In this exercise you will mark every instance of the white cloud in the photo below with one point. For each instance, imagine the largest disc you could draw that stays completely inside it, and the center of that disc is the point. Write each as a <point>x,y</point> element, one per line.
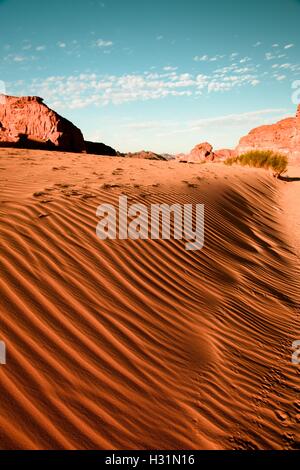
<point>206,58</point>
<point>102,43</point>
<point>170,69</point>
<point>280,77</point>
<point>257,44</point>
<point>19,58</point>
<point>40,48</point>
<point>85,89</point>
<point>203,58</point>
<point>82,90</point>
<point>245,59</point>
<point>232,121</point>
<point>269,56</point>
<point>62,45</point>
<point>288,46</point>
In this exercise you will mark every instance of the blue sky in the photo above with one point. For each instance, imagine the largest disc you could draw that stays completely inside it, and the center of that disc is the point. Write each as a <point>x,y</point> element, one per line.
<point>161,75</point>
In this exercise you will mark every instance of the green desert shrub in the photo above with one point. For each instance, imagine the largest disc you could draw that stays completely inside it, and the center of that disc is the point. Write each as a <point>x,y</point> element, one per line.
<point>262,159</point>
<point>230,161</point>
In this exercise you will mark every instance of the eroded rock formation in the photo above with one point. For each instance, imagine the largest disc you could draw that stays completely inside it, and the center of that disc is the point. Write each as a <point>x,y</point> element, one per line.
<point>200,153</point>
<point>27,122</point>
<point>283,137</point>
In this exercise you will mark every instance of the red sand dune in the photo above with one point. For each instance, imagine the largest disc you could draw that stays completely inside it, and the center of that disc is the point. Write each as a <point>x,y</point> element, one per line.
<point>142,344</point>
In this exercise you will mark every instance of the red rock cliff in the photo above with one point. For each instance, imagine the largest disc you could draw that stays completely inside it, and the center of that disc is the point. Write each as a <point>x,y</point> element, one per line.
<point>283,137</point>
<point>28,122</point>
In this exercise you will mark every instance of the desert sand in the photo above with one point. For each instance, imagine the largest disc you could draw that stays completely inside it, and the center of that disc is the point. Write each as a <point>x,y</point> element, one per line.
<point>141,344</point>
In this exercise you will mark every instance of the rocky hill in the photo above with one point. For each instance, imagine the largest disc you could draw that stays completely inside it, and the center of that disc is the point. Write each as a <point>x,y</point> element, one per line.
<point>283,137</point>
<point>28,122</point>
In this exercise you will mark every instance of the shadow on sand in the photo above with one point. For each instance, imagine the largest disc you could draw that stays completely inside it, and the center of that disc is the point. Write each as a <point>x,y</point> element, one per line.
<point>288,178</point>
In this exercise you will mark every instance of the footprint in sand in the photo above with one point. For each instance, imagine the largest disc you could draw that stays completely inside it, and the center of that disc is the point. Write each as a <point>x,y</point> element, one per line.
<point>297,405</point>
<point>110,186</point>
<point>58,168</point>
<point>39,194</point>
<point>88,196</point>
<point>63,185</point>
<point>283,417</point>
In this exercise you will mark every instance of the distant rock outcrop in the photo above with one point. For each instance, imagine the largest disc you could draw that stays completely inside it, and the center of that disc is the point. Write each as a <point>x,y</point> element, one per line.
<point>283,137</point>
<point>200,153</point>
<point>168,156</point>
<point>27,122</point>
<point>146,155</point>
<point>97,148</point>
